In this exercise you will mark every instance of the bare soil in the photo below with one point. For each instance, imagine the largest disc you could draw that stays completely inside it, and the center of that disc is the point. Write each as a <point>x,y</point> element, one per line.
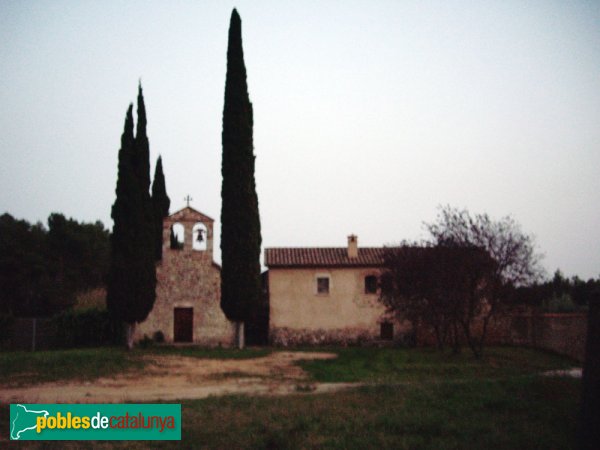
<point>180,377</point>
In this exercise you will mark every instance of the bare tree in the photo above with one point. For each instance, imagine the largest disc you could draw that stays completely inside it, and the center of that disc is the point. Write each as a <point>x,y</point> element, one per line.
<point>438,288</point>
<point>412,286</point>
<point>515,263</point>
<point>456,282</point>
<point>513,250</point>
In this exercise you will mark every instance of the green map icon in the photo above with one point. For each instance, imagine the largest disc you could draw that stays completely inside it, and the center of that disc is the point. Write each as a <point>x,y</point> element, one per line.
<point>24,419</point>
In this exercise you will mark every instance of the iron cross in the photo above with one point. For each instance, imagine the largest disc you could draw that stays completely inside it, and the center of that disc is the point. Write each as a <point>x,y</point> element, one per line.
<point>188,199</point>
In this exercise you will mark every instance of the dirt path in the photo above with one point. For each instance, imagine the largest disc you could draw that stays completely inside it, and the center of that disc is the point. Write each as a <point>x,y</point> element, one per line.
<point>178,377</point>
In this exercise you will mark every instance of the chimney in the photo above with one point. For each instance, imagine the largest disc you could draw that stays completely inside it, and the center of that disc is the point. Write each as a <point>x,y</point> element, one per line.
<point>352,246</point>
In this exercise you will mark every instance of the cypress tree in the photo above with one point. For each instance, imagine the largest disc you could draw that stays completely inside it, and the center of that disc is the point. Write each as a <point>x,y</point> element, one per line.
<point>160,205</point>
<point>132,275</point>
<point>142,146</point>
<point>175,244</point>
<point>145,241</point>
<point>240,221</point>
<point>120,288</point>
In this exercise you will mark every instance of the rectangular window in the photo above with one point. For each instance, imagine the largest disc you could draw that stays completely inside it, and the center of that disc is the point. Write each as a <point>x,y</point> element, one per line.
<point>323,285</point>
<point>371,284</point>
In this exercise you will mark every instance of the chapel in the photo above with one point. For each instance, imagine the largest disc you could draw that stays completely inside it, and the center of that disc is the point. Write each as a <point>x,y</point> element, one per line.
<point>188,286</point>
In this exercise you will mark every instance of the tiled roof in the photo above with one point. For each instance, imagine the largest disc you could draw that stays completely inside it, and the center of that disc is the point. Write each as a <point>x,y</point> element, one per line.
<point>319,257</point>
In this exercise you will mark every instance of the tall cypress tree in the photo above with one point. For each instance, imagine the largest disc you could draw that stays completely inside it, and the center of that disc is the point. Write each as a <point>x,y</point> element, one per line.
<point>160,204</point>
<point>142,146</point>
<point>132,275</point>
<point>145,241</point>
<point>240,221</point>
<point>120,287</point>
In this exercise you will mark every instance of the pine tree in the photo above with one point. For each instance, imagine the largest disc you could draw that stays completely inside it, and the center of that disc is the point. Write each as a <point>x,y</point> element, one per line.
<point>132,276</point>
<point>160,204</point>
<point>240,221</point>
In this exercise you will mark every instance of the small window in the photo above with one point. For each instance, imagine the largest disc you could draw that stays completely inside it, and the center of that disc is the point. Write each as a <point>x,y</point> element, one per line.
<point>371,284</point>
<point>323,285</point>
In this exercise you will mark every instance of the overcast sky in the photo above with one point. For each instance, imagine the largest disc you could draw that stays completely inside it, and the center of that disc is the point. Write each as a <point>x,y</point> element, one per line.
<point>368,114</point>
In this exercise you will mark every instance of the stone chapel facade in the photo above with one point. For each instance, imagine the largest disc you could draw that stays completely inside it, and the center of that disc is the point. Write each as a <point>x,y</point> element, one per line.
<point>188,286</point>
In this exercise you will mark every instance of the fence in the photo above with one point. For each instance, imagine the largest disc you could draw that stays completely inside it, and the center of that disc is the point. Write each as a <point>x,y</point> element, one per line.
<point>88,328</point>
<point>32,334</point>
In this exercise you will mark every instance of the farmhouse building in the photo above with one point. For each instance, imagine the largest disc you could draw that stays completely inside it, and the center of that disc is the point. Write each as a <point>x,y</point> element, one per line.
<point>327,295</point>
<point>188,288</point>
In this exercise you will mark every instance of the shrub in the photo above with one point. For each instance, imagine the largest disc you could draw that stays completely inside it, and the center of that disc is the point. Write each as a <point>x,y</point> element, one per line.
<point>561,303</point>
<point>87,328</point>
<point>158,337</point>
<point>6,328</point>
<point>146,342</point>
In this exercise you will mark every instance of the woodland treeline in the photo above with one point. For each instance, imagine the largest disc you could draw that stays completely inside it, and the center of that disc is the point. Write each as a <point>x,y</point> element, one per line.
<point>560,294</point>
<point>43,267</point>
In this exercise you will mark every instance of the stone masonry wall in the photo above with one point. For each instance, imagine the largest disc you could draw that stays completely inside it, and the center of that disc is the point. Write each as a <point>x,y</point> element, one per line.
<point>188,278</point>
<point>290,337</point>
<point>562,333</point>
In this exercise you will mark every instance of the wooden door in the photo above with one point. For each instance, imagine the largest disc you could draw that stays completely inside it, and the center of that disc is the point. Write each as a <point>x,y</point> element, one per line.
<point>184,325</point>
<point>387,331</point>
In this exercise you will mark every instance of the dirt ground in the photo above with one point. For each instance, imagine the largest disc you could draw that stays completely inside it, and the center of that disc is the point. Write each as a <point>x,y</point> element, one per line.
<point>178,377</point>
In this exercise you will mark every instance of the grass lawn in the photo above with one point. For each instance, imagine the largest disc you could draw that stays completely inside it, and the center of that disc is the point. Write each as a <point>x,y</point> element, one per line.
<point>416,399</point>
<point>520,414</point>
<point>390,365</point>
<point>212,353</point>
<point>22,368</point>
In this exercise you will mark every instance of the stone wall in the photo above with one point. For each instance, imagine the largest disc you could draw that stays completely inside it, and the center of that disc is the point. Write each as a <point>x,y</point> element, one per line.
<point>562,333</point>
<point>286,337</point>
<point>188,278</point>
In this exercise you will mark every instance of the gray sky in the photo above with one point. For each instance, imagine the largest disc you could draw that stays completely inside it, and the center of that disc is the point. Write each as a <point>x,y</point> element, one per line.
<point>368,114</point>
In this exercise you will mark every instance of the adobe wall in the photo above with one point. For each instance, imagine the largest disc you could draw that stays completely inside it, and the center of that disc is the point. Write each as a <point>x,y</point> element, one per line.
<point>300,315</point>
<point>188,278</point>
